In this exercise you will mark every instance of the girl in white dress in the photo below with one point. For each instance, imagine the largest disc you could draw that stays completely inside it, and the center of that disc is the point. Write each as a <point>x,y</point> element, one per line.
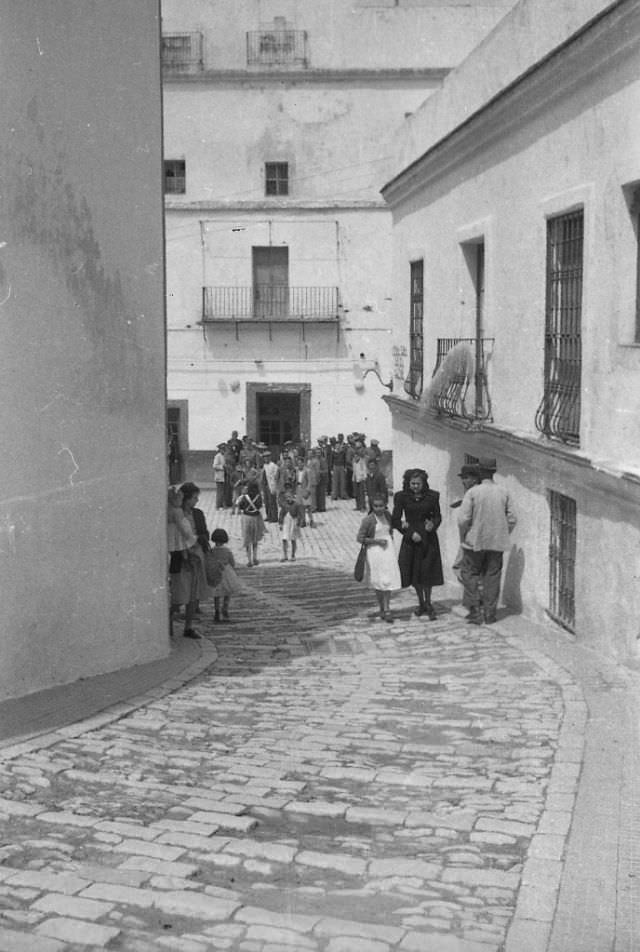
<point>289,522</point>
<point>382,573</point>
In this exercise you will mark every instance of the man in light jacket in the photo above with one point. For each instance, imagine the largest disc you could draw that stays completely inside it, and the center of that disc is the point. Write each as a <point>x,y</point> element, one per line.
<point>486,519</point>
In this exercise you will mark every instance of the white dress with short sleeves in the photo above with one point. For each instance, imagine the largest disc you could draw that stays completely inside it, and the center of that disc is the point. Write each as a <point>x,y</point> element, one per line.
<point>383,573</point>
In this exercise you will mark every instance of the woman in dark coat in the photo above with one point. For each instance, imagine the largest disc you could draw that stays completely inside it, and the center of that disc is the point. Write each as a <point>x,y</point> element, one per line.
<point>416,515</point>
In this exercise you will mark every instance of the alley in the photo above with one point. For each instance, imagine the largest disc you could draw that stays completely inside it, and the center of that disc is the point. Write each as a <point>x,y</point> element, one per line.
<point>329,782</point>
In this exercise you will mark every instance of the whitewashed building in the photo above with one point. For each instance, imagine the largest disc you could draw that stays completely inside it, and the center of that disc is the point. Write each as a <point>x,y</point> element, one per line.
<point>82,390</point>
<point>280,117</point>
<point>515,206</point>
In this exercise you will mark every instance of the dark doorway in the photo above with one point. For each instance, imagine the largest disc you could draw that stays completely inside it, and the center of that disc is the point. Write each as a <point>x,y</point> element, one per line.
<point>278,419</point>
<point>176,440</point>
<point>270,282</point>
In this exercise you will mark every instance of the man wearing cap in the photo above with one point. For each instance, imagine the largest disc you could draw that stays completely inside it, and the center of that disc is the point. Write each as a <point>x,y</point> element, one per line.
<point>486,519</point>
<point>323,481</point>
<point>269,486</point>
<point>219,473</point>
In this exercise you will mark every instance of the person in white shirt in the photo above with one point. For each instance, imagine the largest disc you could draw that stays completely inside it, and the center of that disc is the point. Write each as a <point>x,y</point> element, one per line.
<point>219,474</point>
<point>486,519</point>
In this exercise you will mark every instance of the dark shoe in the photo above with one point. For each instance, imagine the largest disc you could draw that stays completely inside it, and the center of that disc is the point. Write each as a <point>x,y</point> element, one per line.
<point>388,617</point>
<point>190,633</point>
<point>216,618</point>
<point>255,562</point>
<point>430,612</point>
<point>420,610</point>
<point>473,618</point>
<point>225,615</point>
<point>490,619</point>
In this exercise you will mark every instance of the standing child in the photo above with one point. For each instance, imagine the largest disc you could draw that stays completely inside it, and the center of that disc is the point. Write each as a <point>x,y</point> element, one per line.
<point>249,506</point>
<point>288,520</point>
<point>221,574</point>
<point>382,572</point>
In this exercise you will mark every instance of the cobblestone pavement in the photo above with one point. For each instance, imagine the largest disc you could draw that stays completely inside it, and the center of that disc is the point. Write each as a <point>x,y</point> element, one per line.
<point>327,782</point>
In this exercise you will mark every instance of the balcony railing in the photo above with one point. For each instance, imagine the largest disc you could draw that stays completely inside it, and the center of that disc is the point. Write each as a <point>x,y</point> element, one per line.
<point>269,302</point>
<point>277,48</point>
<point>459,384</point>
<point>182,53</point>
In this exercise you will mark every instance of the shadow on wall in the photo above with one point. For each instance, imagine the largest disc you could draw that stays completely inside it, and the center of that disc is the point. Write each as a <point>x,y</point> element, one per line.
<point>512,581</point>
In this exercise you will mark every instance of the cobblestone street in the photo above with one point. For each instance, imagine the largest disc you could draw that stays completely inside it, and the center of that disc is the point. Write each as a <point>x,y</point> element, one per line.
<point>325,782</point>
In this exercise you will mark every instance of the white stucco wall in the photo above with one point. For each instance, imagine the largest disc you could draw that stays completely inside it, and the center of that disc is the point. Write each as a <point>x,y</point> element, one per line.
<point>561,140</point>
<point>350,253</point>
<point>354,35</point>
<point>82,508</point>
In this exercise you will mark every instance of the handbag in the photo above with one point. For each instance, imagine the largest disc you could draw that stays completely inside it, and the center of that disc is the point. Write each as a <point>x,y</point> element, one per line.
<point>358,569</point>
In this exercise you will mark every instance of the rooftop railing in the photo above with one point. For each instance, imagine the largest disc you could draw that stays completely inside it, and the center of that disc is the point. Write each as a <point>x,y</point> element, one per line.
<point>182,53</point>
<point>277,48</point>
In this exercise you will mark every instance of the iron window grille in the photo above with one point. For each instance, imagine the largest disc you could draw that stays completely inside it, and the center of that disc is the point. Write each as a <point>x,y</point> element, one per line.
<point>276,178</point>
<point>459,387</point>
<point>413,383</point>
<point>175,180</point>
<point>182,52</point>
<point>635,215</point>
<point>558,415</point>
<point>562,559</point>
<point>277,47</point>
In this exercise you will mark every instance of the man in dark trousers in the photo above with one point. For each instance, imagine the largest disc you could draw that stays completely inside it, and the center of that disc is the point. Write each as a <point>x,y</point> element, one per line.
<point>375,483</point>
<point>486,519</point>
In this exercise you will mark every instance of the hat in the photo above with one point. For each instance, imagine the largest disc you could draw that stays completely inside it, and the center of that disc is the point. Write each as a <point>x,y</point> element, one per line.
<point>222,446</point>
<point>487,464</point>
<point>469,469</point>
<point>375,443</point>
<point>262,446</point>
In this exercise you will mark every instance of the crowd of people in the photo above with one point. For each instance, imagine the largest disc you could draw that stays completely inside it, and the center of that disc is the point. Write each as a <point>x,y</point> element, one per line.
<point>336,467</point>
<point>297,485</point>
<point>486,519</point>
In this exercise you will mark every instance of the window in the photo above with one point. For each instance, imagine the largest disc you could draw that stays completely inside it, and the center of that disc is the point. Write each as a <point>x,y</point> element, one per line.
<point>182,52</point>
<point>635,216</point>
<point>413,383</point>
<point>558,415</point>
<point>175,182</point>
<point>562,559</point>
<point>277,44</point>
<point>276,181</point>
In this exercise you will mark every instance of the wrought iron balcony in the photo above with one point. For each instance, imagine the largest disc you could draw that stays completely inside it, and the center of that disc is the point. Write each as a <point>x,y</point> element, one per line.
<point>270,302</point>
<point>459,384</point>
<point>277,48</point>
<point>182,53</point>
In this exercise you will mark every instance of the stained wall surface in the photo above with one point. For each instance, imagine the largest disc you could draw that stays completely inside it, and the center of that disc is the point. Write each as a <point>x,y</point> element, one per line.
<point>82,388</point>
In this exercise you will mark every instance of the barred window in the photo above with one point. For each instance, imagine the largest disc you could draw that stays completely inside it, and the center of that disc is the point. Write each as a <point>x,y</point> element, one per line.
<point>276,178</point>
<point>562,559</point>
<point>175,181</point>
<point>558,415</point>
<point>413,383</point>
<point>635,214</point>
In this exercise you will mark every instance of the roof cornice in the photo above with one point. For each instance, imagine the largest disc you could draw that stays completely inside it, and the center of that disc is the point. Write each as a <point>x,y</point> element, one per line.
<point>296,77</point>
<point>271,206</point>
<point>608,37</point>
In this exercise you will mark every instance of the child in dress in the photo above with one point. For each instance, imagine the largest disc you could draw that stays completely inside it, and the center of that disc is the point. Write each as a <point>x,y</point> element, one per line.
<point>289,522</point>
<point>382,572</point>
<point>221,574</point>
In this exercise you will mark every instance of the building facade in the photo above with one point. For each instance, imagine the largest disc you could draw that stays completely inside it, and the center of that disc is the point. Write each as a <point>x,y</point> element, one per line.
<point>279,121</point>
<point>516,296</point>
<point>83,467</point>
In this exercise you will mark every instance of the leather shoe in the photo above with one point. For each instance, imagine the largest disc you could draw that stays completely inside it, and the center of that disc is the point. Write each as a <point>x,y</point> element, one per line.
<point>190,633</point>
